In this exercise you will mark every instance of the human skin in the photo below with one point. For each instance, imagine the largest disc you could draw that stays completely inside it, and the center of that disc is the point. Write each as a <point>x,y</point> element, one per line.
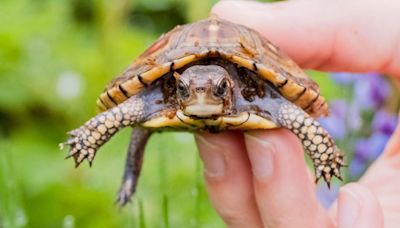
<point>259,178</point>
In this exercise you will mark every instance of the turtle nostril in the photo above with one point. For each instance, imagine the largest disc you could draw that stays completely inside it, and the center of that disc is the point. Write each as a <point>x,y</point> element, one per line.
<point>200,89</point>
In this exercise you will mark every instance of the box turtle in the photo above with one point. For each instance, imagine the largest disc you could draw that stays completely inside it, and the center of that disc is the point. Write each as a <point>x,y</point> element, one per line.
<point>211,75</point>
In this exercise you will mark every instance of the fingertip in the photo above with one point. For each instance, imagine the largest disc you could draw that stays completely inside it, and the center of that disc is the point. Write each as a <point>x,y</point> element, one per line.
<point>261,154</point>
<point>213,141</point>
<point>205,141</point>
<point>358,207</point>
<point>276,157</point>
<point>212,148</point>
<point>271,151</point>
<point>282,183</point>
<point>281,139</point>
<point>349,206</point>
<point>228,177</point>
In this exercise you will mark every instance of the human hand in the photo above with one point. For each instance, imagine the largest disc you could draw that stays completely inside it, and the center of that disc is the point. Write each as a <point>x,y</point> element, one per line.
<point>259,179</point>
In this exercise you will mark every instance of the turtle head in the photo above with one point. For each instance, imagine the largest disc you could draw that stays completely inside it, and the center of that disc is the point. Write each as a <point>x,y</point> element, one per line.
<point>204,90</point>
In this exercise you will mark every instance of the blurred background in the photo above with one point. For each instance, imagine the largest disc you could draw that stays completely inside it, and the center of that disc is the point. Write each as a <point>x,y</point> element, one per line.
<point>55,59</point>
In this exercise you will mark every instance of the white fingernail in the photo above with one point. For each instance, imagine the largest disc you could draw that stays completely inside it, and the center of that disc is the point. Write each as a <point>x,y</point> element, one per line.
<point>212,156</point>
<point>261,154</point>
<point>349,207</point>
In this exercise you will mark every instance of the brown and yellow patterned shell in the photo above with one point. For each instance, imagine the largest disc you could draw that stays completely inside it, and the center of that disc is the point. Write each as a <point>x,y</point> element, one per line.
<point>214,37</point>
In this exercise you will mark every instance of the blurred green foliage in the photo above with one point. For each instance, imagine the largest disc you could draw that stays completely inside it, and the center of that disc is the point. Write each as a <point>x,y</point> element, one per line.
<point>55,58</point>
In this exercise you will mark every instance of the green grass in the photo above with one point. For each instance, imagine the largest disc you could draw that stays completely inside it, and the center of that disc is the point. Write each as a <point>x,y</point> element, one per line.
<point>12,213</point>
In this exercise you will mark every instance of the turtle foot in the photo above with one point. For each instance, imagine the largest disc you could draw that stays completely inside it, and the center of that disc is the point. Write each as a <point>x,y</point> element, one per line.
<point>318,144</point>
<point>329,169</point>
<point>87,139</point>
<point>82,144</point>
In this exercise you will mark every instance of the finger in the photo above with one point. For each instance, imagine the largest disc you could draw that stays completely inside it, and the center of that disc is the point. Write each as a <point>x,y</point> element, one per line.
<point>382,178</point>
<point>358,207</point>
<point>284,192</point>
<point>326,35</point>
<point>228,178</point>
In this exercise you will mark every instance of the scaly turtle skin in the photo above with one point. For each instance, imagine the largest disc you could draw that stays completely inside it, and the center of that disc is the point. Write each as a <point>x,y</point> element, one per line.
<point>211,75</point>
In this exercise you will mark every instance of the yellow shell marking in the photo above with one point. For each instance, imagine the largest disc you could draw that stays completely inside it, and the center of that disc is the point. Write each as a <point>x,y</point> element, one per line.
<point>155,73</point>
<point>183,61</point>
<point>243,62</point>
<point>104,97</point>
<point>117,95</point>
<point>291,90</point>
<point>132,86</point>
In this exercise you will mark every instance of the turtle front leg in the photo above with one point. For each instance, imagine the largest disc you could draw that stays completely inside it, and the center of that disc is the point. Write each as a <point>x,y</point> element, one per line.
<point>87,139</point>
<point>319,145</point>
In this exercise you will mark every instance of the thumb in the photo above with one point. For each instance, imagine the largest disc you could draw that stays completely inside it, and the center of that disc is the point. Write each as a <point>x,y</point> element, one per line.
<point>326,35</point>
<point>358,207</point>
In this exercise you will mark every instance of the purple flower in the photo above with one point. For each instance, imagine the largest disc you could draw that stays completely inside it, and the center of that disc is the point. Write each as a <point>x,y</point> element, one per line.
<point>370,91</point>
<point>357,167</point>
<point>377,143</point>
<point>361,150</point>
<point>384,122</point>
<point>344,117</point>
<point>344,78</point>
<point>325,195</point>
<point>334,125</point>
<point>369,149</point>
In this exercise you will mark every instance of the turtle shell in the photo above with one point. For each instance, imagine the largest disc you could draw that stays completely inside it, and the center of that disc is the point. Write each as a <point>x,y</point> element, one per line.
<point>214,37</point>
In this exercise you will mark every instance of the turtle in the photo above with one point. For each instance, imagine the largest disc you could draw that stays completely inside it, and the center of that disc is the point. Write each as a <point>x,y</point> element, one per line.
<point>211,75</point>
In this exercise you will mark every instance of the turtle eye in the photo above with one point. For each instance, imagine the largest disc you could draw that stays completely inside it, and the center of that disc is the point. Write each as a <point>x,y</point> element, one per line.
<point>221,88</point>
<point>182,90</point>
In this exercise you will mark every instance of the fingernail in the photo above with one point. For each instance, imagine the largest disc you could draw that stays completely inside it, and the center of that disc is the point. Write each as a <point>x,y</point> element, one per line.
<point>349,206</point>
<point>261,155</point>
<point>212,156</point>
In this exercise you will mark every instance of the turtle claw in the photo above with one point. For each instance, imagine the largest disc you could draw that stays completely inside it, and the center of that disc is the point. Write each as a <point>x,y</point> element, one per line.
<point>61,146</point>
<point>328,184</point>
<point>70,154</point>
<point>327,179</point>
<point>80,158</point>
<point>67,143</point>
<point>122,199</point>
<point>90,159</point>
<point>72,133</point>
<point>124,194</point>
<point>77,164</point>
